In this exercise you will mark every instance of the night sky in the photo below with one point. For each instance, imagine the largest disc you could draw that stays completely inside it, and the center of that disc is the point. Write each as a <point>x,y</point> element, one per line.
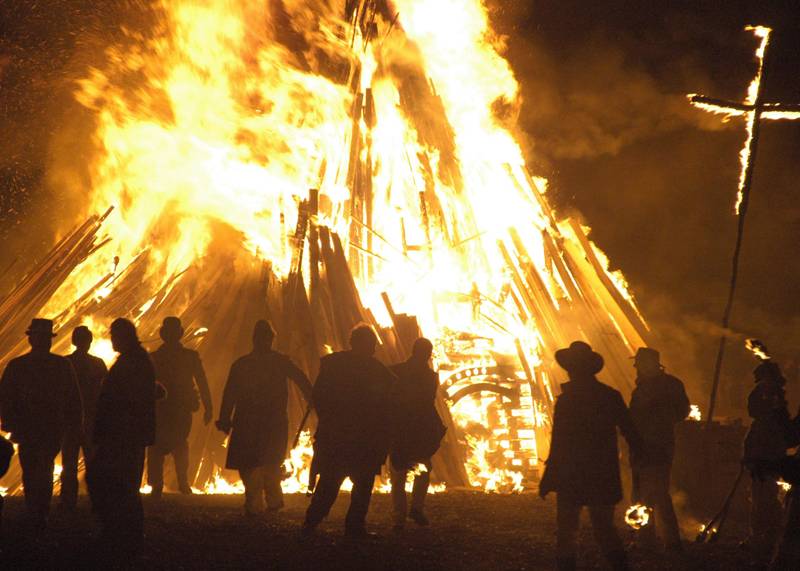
<point>606,121</point>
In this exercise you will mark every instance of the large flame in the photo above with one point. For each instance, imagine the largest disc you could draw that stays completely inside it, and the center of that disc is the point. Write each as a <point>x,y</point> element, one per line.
<point>229,111</point>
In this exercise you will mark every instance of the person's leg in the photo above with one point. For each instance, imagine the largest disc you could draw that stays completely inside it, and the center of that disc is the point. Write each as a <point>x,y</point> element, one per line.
<point>665,511</point>
<point>420,490</point>
<point>155,470</point>
<point>765,518</point>
<point>37,480</point>
<point>253,480</point>
<point>607,537</point>
<point>180,455</point>
<point>788,556</point>
<point>70,451</point>
<point>399,503</point>
<point>355,521</point>
<point>567,522</point>
<point>273,492</point>
<point>323,499</point>
<point>132,513</point>
<point>647,537</point>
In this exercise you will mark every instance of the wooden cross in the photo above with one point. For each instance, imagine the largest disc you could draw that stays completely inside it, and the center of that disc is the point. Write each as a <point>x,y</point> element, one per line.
<point>753,109</point>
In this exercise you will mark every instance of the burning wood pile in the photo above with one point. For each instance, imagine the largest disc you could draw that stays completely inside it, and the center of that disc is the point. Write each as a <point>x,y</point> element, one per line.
<point>422,216</point>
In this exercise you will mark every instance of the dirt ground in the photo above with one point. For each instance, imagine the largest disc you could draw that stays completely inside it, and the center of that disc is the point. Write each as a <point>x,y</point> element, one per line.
<point>468,531</point>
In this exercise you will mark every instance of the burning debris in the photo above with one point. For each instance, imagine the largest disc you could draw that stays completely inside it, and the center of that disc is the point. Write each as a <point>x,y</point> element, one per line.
<point>638,516</point>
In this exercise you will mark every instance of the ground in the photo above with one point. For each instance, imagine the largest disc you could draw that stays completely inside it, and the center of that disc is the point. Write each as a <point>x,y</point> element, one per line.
<point>468,531</point>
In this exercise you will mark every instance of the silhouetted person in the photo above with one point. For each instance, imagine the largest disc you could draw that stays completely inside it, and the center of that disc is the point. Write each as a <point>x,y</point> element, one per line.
<point>39,403</point>
<point>90,371</point>
<point>125,424</point>
<point>178,369</point>
<point>658,403</point>
<point>787,557</point>
<point>352,397</point>
<point>6,454</point>
<point>770,434</point>
<point>254,406</point>
<point>417,433</point>
<point>583,467</point>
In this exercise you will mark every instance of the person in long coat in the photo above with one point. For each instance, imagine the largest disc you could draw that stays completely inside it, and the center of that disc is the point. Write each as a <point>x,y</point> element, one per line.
<point>254,405</point>
<point>90,372</point>
<point>352,397</point>
<point>771,434</point>
<point>125,424</point>
<point>658,403</point>
<point>180,371</point>
<point>40,403</point>
<point>583,467</point>
<point>417,432</point>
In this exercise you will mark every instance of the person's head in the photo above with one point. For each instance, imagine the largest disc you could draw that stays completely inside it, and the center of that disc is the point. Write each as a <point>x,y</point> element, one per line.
<point>770,372</point>
<point>647,362</point>
<point>579,361</point>
<point>123,335</point>
<point>363,340</point>
<point>171,330</point>
<point>82,338</point>
<point>263,335</point>
<point>40,334</point>
<point>422,350</point>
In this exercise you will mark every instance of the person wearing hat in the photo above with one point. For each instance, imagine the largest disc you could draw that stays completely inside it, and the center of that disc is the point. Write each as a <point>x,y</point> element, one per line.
<point>254,408</point>
<point>90,371</point>
<point>181,373</point>
<point>583,467</point>
<point>657,404</point>
<point>771,434</point>
<point>39,403</point>
<point>353,400</point>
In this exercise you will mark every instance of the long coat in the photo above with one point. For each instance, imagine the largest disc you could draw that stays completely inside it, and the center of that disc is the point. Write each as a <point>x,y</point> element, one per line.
<point>658,403</point>
<point>178,369</point>
<point>352,397</point>
<point>257,395</point>
<point>90,372</point>
<point>126,407</point>
<point>772,430</point>
<point>40,400</point>
<point>583,466</point>
<point>418,430</point>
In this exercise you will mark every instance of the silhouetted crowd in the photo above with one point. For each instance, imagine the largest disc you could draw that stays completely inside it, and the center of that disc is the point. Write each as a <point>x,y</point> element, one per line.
<point>142,408</point>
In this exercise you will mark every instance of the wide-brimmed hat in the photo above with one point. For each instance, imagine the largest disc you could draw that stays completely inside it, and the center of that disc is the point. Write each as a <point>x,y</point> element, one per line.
<point>579,358</point>
<point>171,324</point>
<point>647,354</point>
<point>44,326</point>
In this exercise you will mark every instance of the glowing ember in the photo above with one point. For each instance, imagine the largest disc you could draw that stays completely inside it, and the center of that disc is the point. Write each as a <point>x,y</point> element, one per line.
<point>638,516</point>
<point>695,414</point>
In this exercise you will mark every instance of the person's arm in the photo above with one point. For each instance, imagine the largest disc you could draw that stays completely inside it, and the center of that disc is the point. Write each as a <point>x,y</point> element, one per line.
<point>433,386</point>
<point>682,405</point>
<point>547,483</point>
<point>628,428</point>
<point>8,399</point>
<point>230,396</point>
<point>202,385</point>
<point>300,379</point>
<point>323,394</point>
<point>74,404</point>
